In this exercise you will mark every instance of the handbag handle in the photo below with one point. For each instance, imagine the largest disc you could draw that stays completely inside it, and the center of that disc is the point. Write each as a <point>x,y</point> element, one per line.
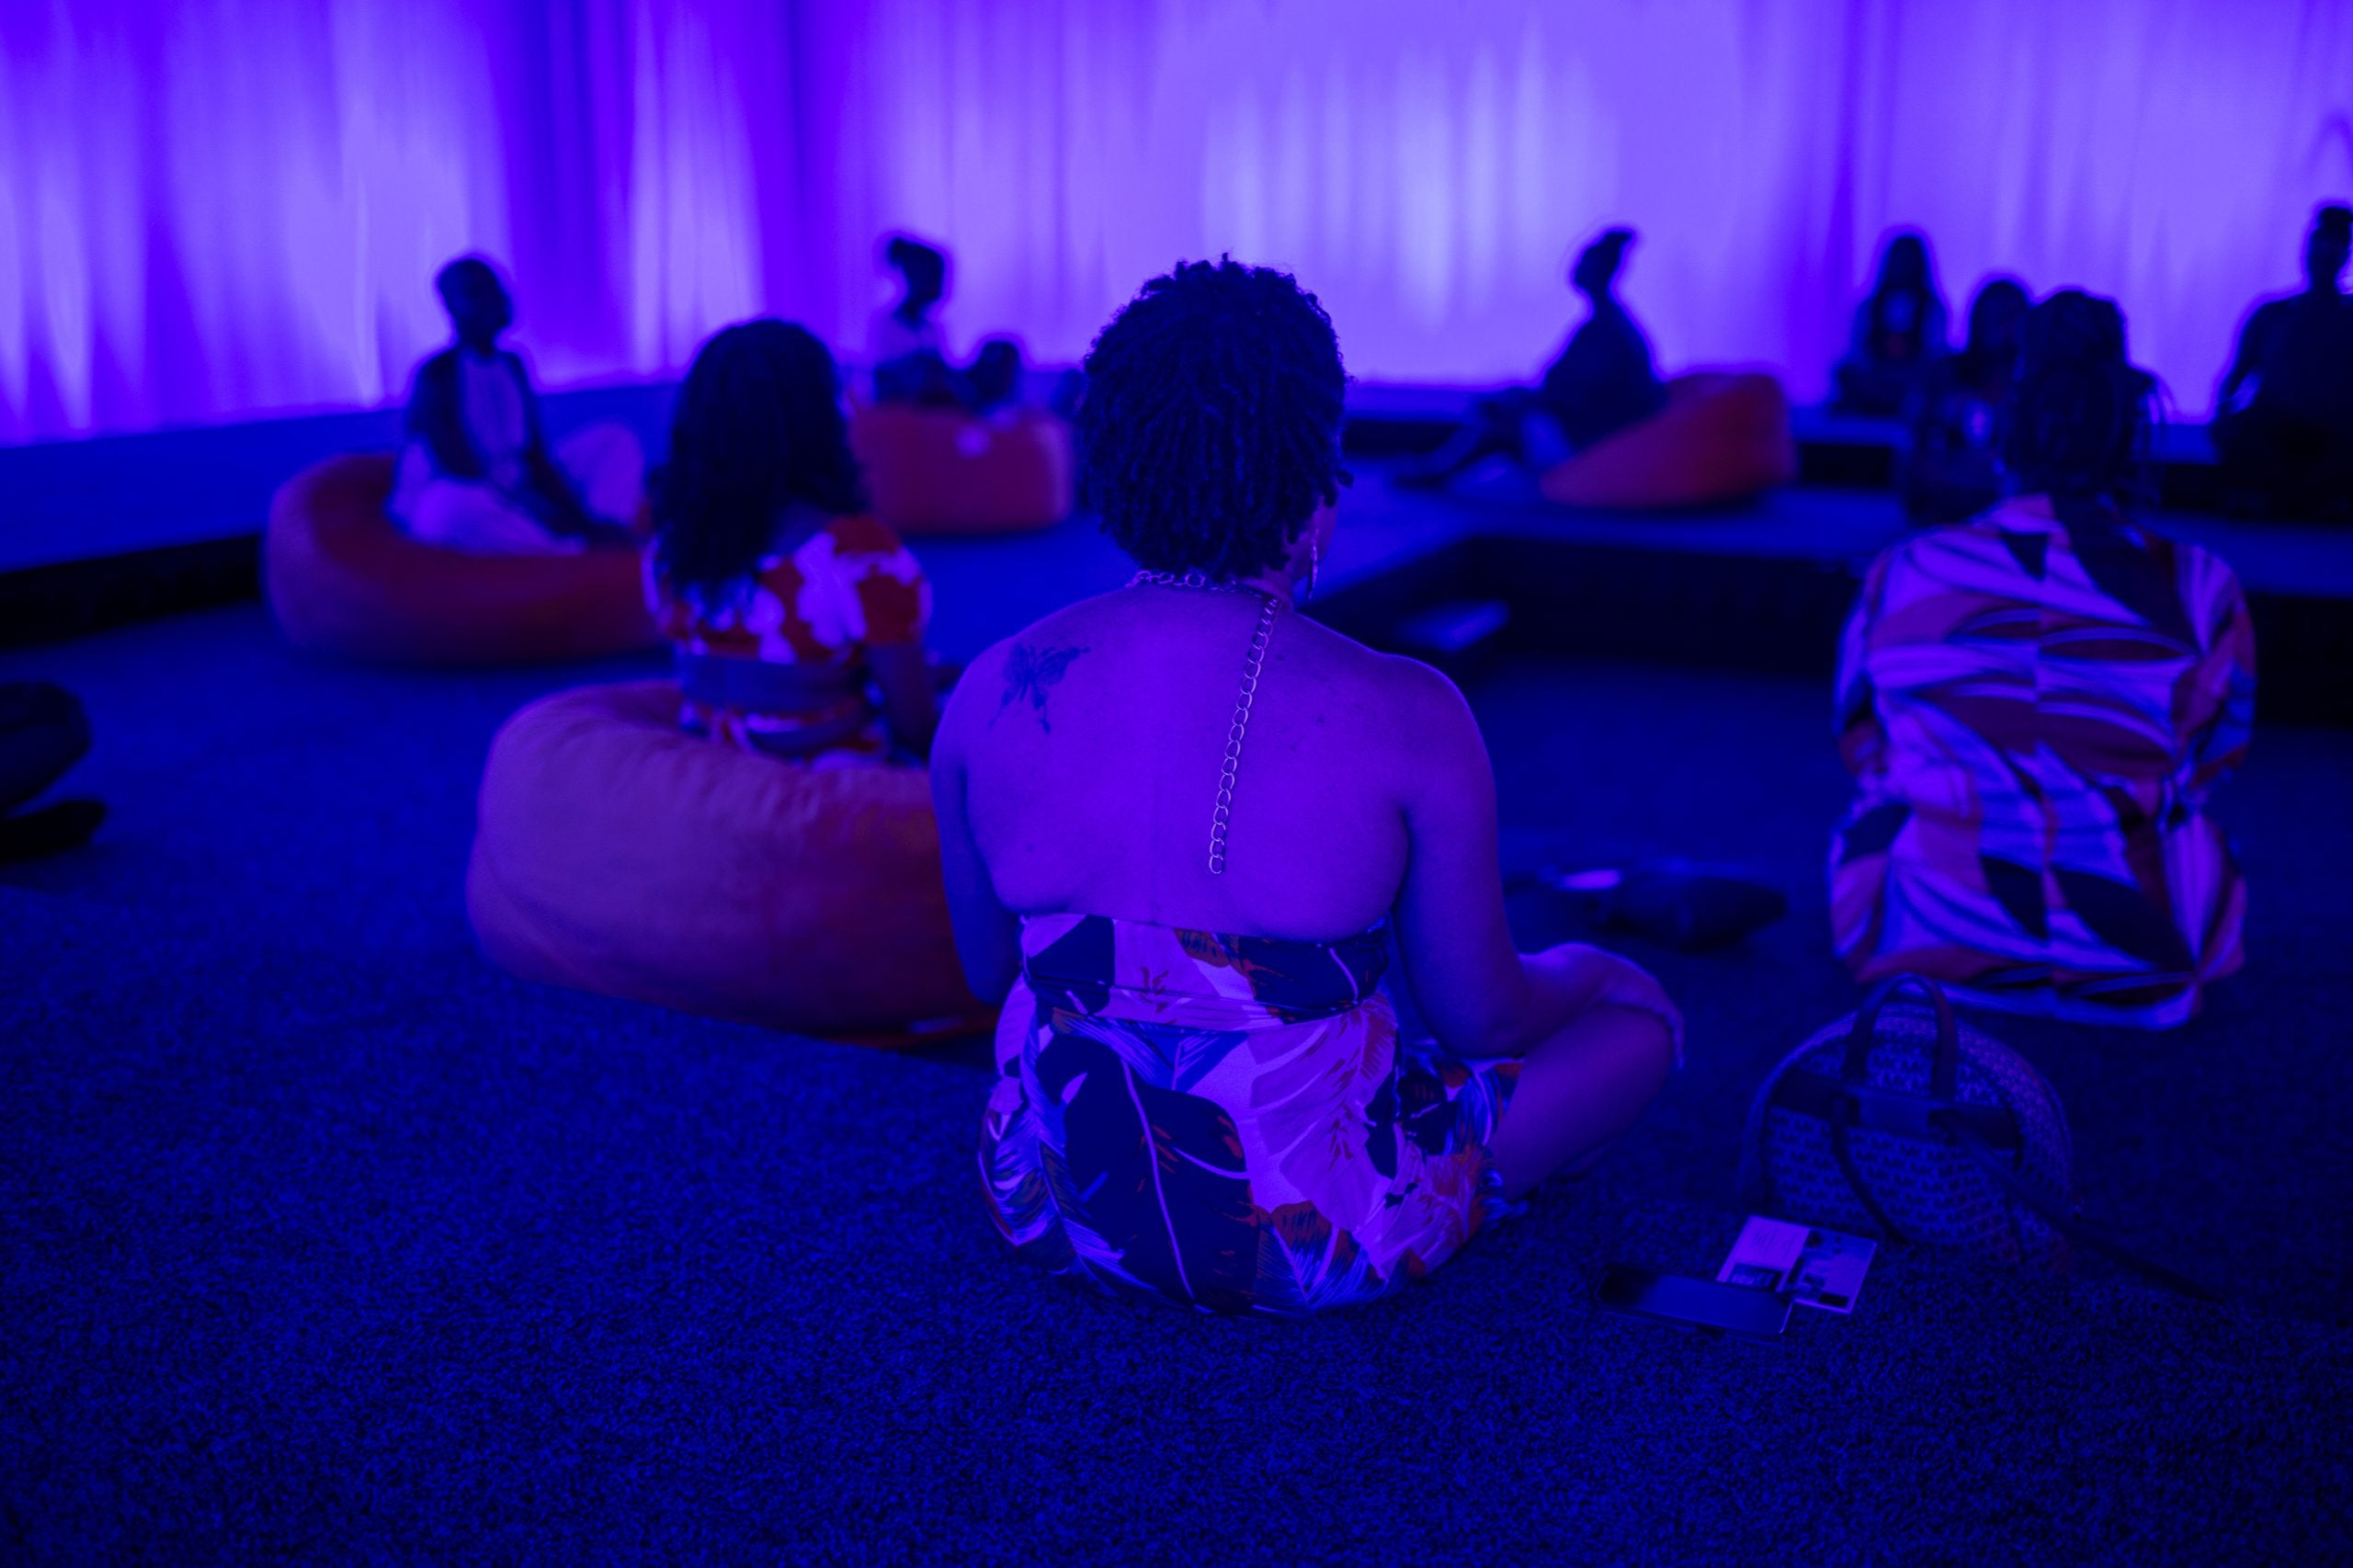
<point>1944,1081</point>
<point>1842,1149</point>
<point>1944,1065</point>
<point>2060,1218</point>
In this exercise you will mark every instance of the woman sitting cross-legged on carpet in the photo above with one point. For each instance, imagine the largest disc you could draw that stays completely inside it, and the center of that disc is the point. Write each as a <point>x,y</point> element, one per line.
<point>1181,824</point>
<point>789,608</point>
<point>2034,704</point>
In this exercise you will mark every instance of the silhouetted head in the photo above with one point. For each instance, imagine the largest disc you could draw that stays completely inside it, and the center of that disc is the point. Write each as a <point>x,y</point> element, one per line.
<point>2326,248</point>
<point>1904,265</point>
<point>995,375</point>
<point>2080,406</point>
<point>1211,423</point>
<point>1597,263</point>
<point>1996,318</point>
<point>476,299</point>
<point>924,267</point>
<point>759,428</point>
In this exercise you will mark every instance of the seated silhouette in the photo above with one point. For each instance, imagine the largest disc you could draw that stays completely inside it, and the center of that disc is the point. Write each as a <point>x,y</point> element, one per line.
<point>2283,424</point>
<point>1953,467</point>
<point>1602,381</point>
<point>798,619</point>
<point>909,349</point>
<point>2035,704</point>
<point>477,473</point>
<point>1899,332</point>
<point>1201,1095</point>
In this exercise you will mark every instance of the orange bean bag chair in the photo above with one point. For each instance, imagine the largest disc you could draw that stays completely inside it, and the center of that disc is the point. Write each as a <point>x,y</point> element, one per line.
<point>941,470</point>
<point>343,579</point>
<point>614,853</point>
<point>1721,437</point>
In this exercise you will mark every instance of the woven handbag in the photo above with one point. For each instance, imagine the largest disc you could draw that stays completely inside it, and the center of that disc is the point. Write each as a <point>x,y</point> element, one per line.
<point>1904,1122</point>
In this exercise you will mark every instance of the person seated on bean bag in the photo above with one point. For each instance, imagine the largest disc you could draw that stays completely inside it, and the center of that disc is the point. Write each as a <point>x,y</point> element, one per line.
<point>2035,705</point>
<point>43,732</point>
<point>909,350</point>
<point>790,606</point>
<point>1202,1098</point>
<point>1899,332</point>
<point>909,329</point>
<point>2284,429</point>
<point>1953,467</point>
<point>993,382</point>
<point>1603,382</point>
<point>476,473</point>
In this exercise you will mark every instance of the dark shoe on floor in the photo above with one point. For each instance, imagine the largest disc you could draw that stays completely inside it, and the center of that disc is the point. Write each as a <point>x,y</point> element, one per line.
<point>1418,477</point>
<point>1674,903</point>
<point>52,830</point>
<point>43,732</point>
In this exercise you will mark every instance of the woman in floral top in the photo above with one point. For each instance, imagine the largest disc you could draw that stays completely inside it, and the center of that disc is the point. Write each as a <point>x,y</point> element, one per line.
<point>2034,705</point>
<point>799,620</point>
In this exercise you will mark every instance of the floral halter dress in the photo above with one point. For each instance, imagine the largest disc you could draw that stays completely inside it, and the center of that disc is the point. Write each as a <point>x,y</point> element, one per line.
<point>1230,1123</point>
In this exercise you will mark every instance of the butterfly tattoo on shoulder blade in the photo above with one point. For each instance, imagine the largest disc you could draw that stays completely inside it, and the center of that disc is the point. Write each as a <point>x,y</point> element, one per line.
<point>1030,673</point>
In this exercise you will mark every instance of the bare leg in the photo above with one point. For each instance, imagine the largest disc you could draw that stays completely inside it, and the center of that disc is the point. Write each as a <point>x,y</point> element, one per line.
<point>456,515</point>
<point>607,468</point>
<point>1579,1091</point>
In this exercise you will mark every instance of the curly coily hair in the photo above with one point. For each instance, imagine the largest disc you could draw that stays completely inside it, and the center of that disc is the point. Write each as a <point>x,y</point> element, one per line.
<point>758,429</point>
<point>2081,408</point>
<point>1211,427</point>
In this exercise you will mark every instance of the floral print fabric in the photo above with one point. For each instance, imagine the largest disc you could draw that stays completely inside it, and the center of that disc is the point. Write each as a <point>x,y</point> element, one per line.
<point>849,586</point>
<point>2034,709</point>
<point>1229,1123</point>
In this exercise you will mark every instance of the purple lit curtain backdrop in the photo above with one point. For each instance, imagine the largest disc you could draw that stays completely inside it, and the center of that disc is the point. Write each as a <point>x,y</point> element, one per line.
<point>215,209</point>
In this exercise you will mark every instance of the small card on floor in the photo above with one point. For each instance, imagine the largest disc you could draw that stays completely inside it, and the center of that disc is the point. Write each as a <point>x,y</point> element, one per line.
<point>1814,1268</point>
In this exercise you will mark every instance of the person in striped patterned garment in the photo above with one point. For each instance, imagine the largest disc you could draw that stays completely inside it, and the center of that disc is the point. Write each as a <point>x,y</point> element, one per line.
<point>2035,704</point>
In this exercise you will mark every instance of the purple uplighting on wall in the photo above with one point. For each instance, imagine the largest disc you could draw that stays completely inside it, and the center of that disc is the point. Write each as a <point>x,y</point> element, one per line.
<point>215,209</point>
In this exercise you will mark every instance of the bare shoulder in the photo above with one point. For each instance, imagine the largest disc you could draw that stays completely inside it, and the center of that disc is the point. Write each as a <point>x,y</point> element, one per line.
<point>1021,670</point>
<point>1404,688</point>
<point>1413,712</point>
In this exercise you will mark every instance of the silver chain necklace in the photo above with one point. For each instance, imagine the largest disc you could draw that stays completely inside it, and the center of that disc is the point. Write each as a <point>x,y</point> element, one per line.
<point>1252,663</point>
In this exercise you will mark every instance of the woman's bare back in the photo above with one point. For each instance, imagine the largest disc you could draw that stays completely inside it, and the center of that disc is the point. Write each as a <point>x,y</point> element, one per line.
<point>1094,744</point>
<point>1077,769</point>
<point>1077,773</point>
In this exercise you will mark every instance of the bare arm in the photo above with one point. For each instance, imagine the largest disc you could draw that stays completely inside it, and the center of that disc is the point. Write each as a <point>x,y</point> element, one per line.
<point>435,418</point>
<point>2244,362</point>
<point>1480,996</point>
<point>549,496</point>
<point>988,935</point>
